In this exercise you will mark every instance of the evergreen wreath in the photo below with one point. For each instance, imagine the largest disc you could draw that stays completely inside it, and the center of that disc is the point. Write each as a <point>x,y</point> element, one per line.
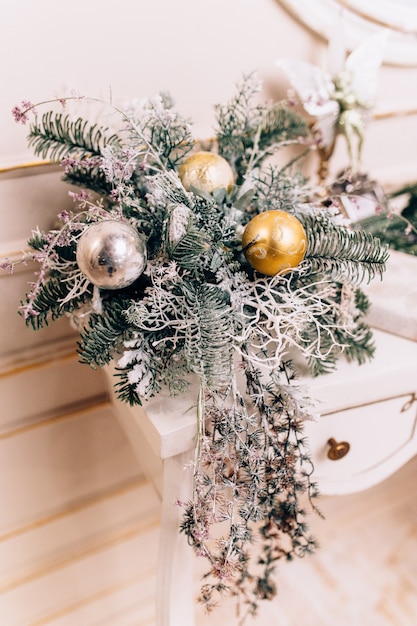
<point>200,311</point>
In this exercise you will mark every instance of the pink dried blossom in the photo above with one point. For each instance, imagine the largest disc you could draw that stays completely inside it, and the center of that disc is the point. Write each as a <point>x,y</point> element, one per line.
<point>69,163</point>
<point>80,196</point>
<point>115,194</point>
<point>64,216</point>
<point>29,106</point>
<point>7,264</point>
<point>20,113</point>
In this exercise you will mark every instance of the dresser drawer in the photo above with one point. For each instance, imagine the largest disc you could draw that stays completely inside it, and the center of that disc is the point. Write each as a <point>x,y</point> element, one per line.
<point>357,447</point>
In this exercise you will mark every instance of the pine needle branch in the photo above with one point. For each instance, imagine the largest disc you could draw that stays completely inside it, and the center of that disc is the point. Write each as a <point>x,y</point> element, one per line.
<point>339,328</point>
<point>208,340</point>
<point>343,253</point>
<point>104,333</point>
<point>280,124</point>
<point>277,188</point>
<point>57,136</point>
<point>50,302</point>
<point>248,133</point>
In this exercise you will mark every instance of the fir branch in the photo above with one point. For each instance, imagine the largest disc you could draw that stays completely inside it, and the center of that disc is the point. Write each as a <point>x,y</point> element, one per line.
<point>104,333</point>
<point>361,346</point>
<point>57,136</point>
<point>236,120</point>
<point>248,132</point>
<point>51,302</point>
<point>193,319</point>
<point>136,369</point>
<point>398,230</point>
<point>196,239</point>
<point>189,249</point>
<point>173,140</point>
<point>280,125</point>
<point>37,241</point>
<point>160,132</point>
<point>146,365</point>
<point>207,346</point>
<point>125,390</point>
<point>278,188</point>
<point>342,253</point>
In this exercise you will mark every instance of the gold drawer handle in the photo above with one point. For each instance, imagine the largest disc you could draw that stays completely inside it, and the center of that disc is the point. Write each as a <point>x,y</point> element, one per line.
<point>337,450</point>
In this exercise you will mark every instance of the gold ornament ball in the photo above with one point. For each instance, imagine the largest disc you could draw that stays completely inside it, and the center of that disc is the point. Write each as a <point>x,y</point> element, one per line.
<point>206,171</point>
<point>111,254</point>
<point>274,242</point>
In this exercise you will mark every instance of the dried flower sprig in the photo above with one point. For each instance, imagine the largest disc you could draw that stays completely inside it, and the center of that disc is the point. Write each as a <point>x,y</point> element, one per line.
<point>252,473</point>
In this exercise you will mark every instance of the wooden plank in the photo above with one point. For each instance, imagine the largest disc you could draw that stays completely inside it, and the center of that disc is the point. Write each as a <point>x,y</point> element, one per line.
<point>33,201</point>
<point>38,391</point>
<point>125,604</point>
<point>42,545</point>
<point>62,459</point>
<point>124,555</point>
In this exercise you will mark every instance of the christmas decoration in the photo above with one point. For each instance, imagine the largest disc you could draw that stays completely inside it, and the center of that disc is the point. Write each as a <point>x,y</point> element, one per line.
<point>273,242</point>
<point>339,100</point>
<point>111,254</point>
<point>198,310</point>
<point>206,171</point>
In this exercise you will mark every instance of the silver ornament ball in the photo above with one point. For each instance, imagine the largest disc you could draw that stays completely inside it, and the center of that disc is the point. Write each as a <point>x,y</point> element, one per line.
<point>111,254</point>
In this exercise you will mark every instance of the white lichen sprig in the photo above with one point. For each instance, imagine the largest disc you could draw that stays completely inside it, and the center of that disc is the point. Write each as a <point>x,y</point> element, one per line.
<point>161,308</point>
<point>276,315</point>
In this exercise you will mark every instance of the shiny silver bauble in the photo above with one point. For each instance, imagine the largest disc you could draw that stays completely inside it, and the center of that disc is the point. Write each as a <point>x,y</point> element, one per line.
<point>111,254</point>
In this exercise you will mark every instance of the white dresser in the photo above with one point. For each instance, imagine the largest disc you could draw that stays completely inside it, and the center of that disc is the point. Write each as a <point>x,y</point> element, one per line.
<point>368,425</point>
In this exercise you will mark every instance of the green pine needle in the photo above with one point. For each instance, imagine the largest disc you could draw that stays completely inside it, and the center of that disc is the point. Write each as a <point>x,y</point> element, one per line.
<point>104,334</point>
<point>342,253</point>
<point>57,136</point>
<point>50,303</point>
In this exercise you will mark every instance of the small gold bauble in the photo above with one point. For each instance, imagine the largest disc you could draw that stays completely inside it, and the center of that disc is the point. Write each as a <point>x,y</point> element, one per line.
<point>274,242</point>
<point>111,254</point>
<point>206,172</point>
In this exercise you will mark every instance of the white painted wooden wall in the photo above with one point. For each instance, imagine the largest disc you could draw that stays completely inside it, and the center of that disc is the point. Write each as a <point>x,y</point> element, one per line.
<point>78,521</point>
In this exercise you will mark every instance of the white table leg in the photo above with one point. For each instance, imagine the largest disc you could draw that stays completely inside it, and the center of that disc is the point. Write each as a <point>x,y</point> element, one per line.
<point>175,588</point>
